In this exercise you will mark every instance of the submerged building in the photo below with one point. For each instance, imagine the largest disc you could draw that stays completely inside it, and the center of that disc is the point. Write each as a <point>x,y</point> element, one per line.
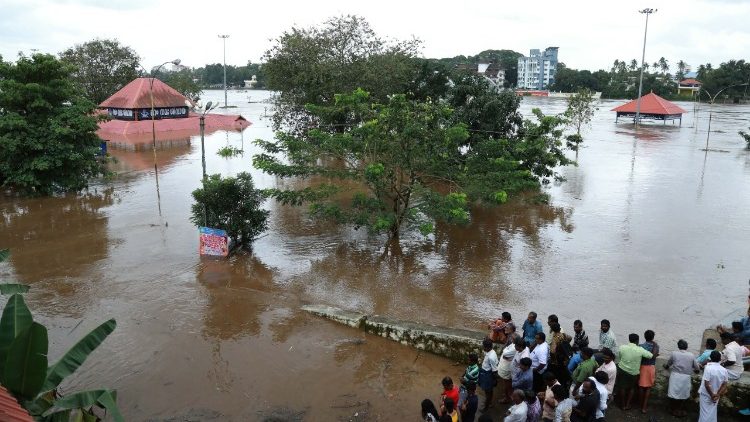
<point>537,71</point>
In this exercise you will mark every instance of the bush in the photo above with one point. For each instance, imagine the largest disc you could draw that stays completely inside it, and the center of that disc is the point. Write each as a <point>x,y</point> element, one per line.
<point>231,204</point>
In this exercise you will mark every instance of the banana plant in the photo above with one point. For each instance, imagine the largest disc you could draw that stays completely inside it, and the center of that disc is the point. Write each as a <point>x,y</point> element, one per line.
<point>24,371</point>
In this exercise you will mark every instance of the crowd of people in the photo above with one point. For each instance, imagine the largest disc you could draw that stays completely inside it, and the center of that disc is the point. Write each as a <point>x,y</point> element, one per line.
<point>555,376</point>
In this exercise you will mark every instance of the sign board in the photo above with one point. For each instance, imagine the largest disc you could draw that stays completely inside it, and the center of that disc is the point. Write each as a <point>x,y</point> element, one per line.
<point>213,242</point>
<point>163,113</point>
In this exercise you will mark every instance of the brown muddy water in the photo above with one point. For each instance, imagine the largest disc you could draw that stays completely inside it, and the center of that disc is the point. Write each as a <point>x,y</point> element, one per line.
<point>648,231</point>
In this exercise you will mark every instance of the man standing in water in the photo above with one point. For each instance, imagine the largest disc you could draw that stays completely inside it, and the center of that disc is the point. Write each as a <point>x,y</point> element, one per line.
<point>530,328</point>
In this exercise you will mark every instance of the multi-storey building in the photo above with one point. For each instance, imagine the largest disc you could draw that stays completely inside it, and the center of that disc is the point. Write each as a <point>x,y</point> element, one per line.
<point>538,70</point>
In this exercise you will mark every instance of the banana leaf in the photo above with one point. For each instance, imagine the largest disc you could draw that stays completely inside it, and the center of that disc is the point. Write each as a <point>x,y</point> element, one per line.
<point>13,288</point>
<point>26,364</point>
<point>75,357</point>
<point>16,318</point>
<point>85,399</point>
<point>4,254</point>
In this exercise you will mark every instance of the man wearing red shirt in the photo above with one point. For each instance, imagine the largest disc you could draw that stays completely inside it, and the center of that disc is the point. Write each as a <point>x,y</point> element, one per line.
<point>449,390</point>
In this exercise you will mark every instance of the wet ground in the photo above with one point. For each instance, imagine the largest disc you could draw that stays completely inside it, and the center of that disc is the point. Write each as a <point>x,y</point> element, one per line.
<point>649,231</point>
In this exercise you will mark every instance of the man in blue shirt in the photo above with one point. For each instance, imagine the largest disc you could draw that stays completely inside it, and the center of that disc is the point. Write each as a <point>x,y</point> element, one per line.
<point>530,328</point>
<point>524,379</point>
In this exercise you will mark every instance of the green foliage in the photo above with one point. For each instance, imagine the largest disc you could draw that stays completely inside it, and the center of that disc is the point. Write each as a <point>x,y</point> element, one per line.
<point>75,357</point>
<point>24,372</point>
<point>231,204</point>
<point>212,75</point>
<point>13,288</point>
<point>746,137</point>
<point>725,77</point>
<point>578,114</point>
<point>4,254</point>
<point>507,59</point>
<point>102,67</point>
<point>183,82</point>
<point>229,151</point>
<point>48,142</point>
<point>415,161</point>
<point>310,65</point>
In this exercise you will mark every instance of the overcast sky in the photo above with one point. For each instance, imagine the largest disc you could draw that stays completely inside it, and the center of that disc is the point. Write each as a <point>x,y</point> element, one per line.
<point>590,34</point>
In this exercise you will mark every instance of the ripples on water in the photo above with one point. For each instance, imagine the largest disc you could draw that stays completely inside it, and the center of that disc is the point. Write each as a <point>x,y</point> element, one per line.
<point>648,231</point>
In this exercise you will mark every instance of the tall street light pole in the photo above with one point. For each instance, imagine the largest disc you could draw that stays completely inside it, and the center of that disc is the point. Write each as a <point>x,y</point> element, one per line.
<point>224,38</point>
<point>712,98</point>
<point>646,12</point>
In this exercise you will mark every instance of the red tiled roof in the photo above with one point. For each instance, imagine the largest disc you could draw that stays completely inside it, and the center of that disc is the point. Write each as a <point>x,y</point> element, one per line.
<point>10,410</point>
<point>651,104</point>
<point>690,81</point>
<point>136,94</point>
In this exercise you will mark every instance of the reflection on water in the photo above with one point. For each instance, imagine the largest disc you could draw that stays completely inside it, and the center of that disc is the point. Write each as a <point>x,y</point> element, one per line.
<point>647,221</point>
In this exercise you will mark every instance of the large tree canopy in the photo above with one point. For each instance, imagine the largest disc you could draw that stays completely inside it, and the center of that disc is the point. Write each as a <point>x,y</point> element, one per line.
<point>310,65</point>
<point>102,67</point>
<point>47,128</point>
<point>407,163</point>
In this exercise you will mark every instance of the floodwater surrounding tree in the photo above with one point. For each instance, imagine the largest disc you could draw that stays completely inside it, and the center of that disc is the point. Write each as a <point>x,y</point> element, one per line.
<point>648,231</point>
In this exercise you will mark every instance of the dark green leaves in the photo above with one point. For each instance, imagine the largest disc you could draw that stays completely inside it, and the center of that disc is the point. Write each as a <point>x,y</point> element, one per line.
<point>13,288</point>
<point>75,357</point>
<point>26,364</point>
<point>16,319</point>
<point>86,399</point>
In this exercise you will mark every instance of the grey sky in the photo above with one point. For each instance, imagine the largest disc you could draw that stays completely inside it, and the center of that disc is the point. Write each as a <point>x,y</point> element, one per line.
<point>590,34</point>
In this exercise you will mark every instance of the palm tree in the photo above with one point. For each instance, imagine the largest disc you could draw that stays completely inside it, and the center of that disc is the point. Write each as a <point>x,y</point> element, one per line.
<point>681,70</point>
<point>663,65</point>
<point>633,65</point>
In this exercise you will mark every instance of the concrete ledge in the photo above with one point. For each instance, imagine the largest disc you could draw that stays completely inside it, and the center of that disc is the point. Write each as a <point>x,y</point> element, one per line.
<point>456,344</point>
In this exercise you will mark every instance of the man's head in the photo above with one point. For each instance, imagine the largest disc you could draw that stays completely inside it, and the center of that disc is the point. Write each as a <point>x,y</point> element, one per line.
<point>449,404</point>
<point>726,338</point>
<point>486,345</point>
<point>577,326</point>
<point>519,344</point>
<point>710,344</point>
<point>560,393</point>
<point>649,335</point>
<point>447,383</point>
<point>715,356</point>
<point>525,364</point>
<point>552,318</point>
<point>601,377</point>
<point>737,327</point>
<point>471,387</point>
<point>540,338</point>
<point>608,355</point>
<point>532,317</point>
<point>554,327</point>
<point>473,358</point>
<point>587,386</point>
<point>682,344</point>
<point>587,353</point>
<point>604,325</point>
<point>517,396</point>
<point>633,338</point>
<point>549,378</point>
<point>506,316</point>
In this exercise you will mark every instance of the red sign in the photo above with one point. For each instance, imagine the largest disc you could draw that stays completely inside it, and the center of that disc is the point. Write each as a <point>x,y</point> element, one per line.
<point>213,242</point>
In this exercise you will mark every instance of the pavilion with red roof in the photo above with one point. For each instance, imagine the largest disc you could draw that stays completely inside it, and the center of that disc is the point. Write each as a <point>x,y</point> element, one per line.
<point>653,107</point>
<point>130,123</point>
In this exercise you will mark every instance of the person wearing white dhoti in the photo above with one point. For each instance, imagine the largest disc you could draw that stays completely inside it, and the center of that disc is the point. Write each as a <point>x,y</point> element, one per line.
<point>713,386</point>
<point>682,364</point>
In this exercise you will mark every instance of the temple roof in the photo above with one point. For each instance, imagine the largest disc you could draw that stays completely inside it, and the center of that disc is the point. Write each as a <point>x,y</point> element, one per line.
<point>136,94</point>
<point>651,104</point>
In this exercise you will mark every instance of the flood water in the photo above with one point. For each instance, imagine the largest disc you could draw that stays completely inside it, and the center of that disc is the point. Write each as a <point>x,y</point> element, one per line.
<point>648,231</point>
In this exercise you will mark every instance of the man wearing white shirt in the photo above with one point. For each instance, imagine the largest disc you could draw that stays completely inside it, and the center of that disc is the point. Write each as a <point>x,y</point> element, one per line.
<point>732,356</point>
<point>600,380</point>
<point>713,386</point>
<point>488,372</point>
<point>519,410</point>
<point>539,357</point>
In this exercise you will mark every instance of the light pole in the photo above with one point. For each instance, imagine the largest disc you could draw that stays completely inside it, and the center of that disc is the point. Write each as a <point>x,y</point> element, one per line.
<point>646,12</point>
<point>204,110</point>
<point>224,38</point>
<point>711,106</point>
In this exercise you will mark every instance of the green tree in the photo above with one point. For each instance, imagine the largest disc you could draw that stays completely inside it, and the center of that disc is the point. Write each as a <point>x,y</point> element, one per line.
<point>183,82</point>
<point>311,65</point>
<point>102,67</point>
<point>48,142</point>
<point>409,163</point>
<point>231,204</point>
<point>681,70</point>
<point>579,113</point>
